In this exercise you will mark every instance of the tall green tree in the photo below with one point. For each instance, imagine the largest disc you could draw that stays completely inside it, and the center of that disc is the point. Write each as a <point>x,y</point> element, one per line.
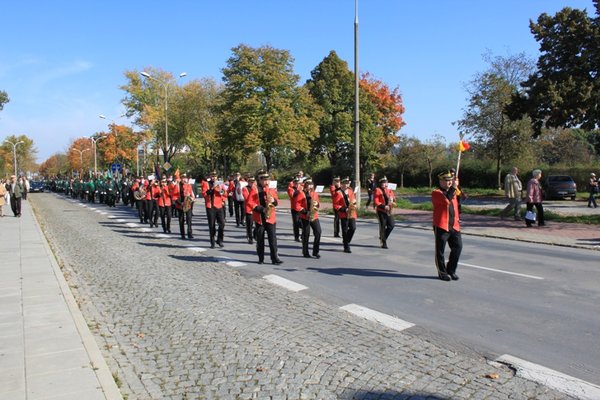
<point>332,86</point>
<point>25,151</point>
<point>486,118</point>
<point>565,89</point>
<point>262,107</point>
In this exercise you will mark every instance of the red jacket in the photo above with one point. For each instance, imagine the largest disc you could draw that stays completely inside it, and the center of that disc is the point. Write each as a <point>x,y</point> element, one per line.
<point>219,194</point>
<point>339,203</point>
<point>246,192</point>
<point>164,199</point>
<point>379,200</point>
<point>302,203</point>
<point>258,209</point>
<point>441,210</point>
<point>187,191</point>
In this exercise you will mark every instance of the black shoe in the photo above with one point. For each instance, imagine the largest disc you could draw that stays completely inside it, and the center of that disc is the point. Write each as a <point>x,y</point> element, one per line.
<point>212,246</point>
<point>336,235</point>
<point>250,241</point>
<point>384,245</point>
<point>297,239</point>
<point>183,238</point>
<point>260,261</point>
<point>316,256</point>
<point>190,237</point>
<point>306,256</point>
<point>220,243</point>
<point>445,277</point>
<point>277,262</point>
<point>347,250</point>
<point>454,277</point>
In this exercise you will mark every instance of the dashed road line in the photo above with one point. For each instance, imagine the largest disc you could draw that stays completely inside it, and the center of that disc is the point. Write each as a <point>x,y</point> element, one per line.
<point>501,271</point>
<point>196,249</point>
<point>285,283</point>
<point>556,380</point>
<point>376,316</point>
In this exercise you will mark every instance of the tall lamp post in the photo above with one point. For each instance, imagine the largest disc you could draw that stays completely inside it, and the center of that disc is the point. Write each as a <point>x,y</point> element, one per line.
<point>94,141</point>
<point>165,85</point>
<point>356,109</point>
<point>14,145</point>
<point>81,156</point>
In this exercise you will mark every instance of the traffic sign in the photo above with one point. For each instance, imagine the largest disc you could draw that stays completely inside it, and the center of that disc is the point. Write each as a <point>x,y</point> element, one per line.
<point>116,167</point>
<point>167,166</point>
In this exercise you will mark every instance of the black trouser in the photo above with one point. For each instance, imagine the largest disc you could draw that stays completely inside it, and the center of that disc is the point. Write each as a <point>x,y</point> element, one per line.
<point>348,229</point>
<point>592,199</point>
<point>260,241</point>
<point>386,225</point>
<point>187,218</point>
<point>15,205</point>
<point>540,213</point>
<point>249,223</point>
<point>215,216</point>
<point>454,240</point>
<point>296,224</point>
<point>139,204</point>
<point>153,212</point>
<point>239,212</point>
<point>369,198</point>
<point>316,228</point>
<point>165,218</point>
<point>336,224</point>
<point>230,204</point>
<point>146,210</point>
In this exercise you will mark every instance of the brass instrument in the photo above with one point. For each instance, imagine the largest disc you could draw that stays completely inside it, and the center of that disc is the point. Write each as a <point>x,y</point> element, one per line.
<point>187,203</point>
<point>139,194</point>
<point>312,213</point>
<point>390,204</point>
<point>270,205</point>
<point>351,208</point>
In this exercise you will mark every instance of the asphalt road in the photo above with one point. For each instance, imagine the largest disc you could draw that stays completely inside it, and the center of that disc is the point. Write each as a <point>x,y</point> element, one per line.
<point>535,302</point>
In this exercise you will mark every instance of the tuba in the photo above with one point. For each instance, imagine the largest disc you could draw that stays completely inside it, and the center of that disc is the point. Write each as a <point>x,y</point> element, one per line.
<point>351,208</point>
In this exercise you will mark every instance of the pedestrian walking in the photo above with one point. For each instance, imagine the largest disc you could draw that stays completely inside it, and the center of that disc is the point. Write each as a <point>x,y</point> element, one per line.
<point>593,188</point>
<point>512,190</point>
<point>534,199</point>
<point>16,189</point>
<point>446,225</point>
<point>3,196</point>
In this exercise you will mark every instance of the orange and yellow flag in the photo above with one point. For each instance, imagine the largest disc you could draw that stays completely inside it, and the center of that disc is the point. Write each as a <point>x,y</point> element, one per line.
<point>463,146</point>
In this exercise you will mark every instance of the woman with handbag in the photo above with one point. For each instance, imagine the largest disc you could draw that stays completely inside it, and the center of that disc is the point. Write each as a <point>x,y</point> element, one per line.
<point>534,198</point>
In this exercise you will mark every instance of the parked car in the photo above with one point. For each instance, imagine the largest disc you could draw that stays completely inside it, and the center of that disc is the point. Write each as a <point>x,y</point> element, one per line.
<point>559,187</point>
<point>36,186</point>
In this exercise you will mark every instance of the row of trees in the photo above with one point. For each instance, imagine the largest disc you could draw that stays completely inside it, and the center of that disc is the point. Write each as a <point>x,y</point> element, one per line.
<point>519,112</point>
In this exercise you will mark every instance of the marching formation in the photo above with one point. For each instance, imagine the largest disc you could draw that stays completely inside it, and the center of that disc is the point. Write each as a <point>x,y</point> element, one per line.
<point>253,201</point>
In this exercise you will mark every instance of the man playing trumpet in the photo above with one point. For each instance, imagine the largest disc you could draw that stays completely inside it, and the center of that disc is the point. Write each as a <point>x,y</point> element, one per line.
<point>307,206</point>
<point>384,202</point>
<point>214,194</point>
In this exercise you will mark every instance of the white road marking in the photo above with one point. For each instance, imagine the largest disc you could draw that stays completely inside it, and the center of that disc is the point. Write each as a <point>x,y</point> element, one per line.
<point>162,236</point>
<point>501,271</point>
<point>145,230</point>
<point>131,224</point>
<point>285,283</point>
<point>331,239</point>
<point>376,316</point>
<point>235,263</point>
<point>111,217</point>
<point>120,220</point>
<point>556,380</point>
<point>196,249</point>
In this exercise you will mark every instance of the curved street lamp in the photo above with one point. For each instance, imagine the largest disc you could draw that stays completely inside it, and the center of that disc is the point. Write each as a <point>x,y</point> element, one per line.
<point>81,156</point>
<point>14,145</point>
<point>165,85</point>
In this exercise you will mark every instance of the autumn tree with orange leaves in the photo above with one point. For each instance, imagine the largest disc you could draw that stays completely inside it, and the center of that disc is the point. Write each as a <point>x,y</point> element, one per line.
<point>119,146</point>
<point>80,155</point>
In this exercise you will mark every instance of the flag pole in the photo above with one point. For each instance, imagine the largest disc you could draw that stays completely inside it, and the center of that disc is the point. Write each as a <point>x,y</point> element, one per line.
<point>460,136</point>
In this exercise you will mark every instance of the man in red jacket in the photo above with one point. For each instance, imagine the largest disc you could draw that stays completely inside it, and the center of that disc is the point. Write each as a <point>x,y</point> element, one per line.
<point>215,194</point>
<point>246,190</point>
<point>263,201</point>
<point>383,199</point>
<point>307,206</point>
<point>345,205</point>
<point>446,225</point>
<point>184,189</point>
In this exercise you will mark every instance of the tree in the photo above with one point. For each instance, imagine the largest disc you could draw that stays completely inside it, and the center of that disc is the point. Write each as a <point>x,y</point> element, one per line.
<point>485,117</point>
<point>120,145</point>
<point>332,87</point>
<point>567,147</point>
<point>565,89</point>
<point>145,100</point>
<point>55,166</point>
<point>431,153</point>
<point>26,154</point>
<point>262,107</point>
<point>408,153</point>
<point>3,99</point>
<point>80,155</point>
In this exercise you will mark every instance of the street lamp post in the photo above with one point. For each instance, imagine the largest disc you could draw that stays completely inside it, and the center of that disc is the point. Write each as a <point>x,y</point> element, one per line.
<point>14,145</point>
<point>165,85</point>
<point>94,141</point>
<point>81,156</point>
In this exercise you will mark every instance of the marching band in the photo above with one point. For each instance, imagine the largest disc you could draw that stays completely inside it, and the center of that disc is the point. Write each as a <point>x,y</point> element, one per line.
<point>255,201</point>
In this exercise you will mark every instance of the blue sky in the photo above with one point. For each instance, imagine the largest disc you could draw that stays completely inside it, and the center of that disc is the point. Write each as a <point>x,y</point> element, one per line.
<point>62,62</point>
